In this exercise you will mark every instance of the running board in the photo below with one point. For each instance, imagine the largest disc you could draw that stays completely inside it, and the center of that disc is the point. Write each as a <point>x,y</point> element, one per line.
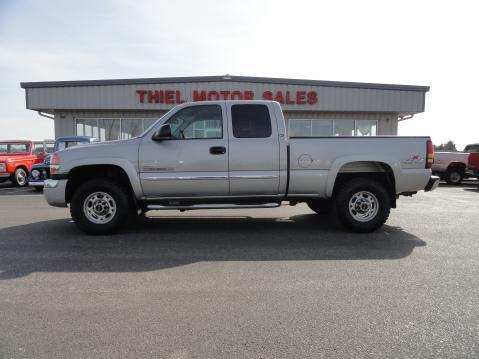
<point>211,206</point>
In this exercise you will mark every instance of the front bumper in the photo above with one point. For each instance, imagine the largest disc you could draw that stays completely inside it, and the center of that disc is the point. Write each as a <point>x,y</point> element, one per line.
<point>432,184</point>
<point>54,191</point>
<point>36,183</point>
<point>3,175</point>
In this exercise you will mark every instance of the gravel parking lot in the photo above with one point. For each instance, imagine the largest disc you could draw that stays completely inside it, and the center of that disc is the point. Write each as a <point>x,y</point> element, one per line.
<point>280,283</point>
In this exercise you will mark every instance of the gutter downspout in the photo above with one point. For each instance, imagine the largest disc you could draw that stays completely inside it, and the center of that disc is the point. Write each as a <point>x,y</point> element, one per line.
<point>45,115</point>
<point>404,118</point>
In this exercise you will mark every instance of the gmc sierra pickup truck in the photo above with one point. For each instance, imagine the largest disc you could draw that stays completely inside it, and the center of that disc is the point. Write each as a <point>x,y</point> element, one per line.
<point>237,154</point>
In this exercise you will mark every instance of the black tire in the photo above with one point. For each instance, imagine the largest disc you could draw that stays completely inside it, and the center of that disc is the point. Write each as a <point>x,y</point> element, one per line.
<point>454,176</point>
<point>112,191</point>
<point>322,207</point>
<point>379,204</point>
<point>20,177</point>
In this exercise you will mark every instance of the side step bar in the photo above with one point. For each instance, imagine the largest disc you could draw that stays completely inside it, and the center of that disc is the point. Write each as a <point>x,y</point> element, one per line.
<point>212,206</point>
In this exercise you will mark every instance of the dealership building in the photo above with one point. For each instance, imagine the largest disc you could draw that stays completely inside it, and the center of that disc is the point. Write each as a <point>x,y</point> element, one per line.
<point>123,108</point>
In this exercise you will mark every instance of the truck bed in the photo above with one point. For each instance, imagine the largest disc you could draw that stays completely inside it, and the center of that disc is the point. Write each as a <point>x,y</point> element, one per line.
<point>316,161</point>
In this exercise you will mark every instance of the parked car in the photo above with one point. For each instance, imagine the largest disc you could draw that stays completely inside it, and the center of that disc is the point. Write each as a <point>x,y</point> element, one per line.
<point>473,165</point>
<point>451,166</point>
<point>17,157</point>
<point>237,154</point>
<point>40,172</point>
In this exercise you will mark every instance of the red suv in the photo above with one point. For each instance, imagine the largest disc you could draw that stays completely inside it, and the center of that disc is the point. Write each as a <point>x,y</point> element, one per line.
<point>16,158</point>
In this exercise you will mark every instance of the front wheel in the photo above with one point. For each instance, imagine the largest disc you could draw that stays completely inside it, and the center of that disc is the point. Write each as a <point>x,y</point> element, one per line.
<point>20,177</point>
<point>362,205</point>
<point>99,207</point>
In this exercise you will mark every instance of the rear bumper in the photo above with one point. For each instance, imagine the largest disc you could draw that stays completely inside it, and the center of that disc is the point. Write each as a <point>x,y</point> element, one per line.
<point>54,191</point>
<point>432,184</point>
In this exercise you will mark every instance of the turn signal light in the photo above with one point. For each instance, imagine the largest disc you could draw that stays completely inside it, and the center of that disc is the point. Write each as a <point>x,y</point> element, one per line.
<point>54,164</point>
<point>429,154</point>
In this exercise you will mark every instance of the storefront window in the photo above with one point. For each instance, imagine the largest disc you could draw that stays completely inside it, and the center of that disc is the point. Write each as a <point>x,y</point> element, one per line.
<point>131,128</point>
<point>87,127</point>
<point>147,122</point>
<point>321,128</point>
<point>366,128</point>
<point>300,128</point>
<point>343,128</point>
<point>324,128</point>
<point>110,129</point>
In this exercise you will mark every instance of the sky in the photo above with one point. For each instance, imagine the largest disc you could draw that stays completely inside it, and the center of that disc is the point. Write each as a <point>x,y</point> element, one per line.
<point>431,43</point>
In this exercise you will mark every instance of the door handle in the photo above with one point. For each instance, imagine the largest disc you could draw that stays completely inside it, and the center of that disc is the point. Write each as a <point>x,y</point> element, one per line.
<point>217,150</point>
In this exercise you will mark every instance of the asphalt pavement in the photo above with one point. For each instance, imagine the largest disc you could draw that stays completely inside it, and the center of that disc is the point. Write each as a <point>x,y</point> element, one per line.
<point>266,283</point>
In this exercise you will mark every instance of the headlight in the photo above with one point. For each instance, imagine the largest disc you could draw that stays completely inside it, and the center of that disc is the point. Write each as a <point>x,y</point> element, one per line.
<point>35,174</point>
<point>3,167</point>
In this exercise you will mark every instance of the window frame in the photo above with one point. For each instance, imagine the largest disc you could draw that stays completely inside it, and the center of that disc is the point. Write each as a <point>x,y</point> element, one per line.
<point>252,104</point>
<point>38,145</point>
<point>332,120</point>
<point>199,138</point>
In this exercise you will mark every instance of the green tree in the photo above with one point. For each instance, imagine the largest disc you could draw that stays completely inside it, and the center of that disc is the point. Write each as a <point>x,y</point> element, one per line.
<point>448,146</point>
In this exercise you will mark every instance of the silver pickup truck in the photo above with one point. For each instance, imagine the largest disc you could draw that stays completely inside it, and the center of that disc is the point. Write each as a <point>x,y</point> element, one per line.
<point>237,154</point>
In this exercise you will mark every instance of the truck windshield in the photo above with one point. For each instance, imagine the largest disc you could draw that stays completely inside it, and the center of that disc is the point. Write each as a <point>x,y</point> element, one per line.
<point>14,148</point>
<point>472,148</point>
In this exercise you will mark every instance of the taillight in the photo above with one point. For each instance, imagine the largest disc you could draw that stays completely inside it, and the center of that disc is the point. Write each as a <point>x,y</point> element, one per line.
<point>429,154</point>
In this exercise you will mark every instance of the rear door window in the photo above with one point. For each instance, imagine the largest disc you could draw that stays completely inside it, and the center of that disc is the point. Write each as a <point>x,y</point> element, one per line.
<point>38,149</point>
<point>251,121</point>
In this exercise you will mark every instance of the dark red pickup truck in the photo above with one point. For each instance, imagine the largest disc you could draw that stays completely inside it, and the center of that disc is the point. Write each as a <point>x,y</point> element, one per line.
<point>16,158</point>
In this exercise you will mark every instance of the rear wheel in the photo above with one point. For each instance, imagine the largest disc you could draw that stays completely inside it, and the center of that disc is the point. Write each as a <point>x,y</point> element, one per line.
<point>454,176</point>
<point>99,207</point>
<point>20,177</point>
<point>362,205</point>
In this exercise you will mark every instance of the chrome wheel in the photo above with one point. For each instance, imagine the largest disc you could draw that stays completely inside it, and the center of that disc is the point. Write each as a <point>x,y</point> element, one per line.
<point>21,177</point>
<point>363,206</point>
<point>99,207</point>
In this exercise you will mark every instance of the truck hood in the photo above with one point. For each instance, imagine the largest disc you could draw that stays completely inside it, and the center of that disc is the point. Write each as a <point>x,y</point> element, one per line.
<point>100,153</point>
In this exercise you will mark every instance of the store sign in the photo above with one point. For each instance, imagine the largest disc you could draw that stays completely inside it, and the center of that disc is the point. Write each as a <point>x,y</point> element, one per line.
<point>176,96</point>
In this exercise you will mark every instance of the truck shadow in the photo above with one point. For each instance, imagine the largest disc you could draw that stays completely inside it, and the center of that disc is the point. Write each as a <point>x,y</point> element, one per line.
<point>165,242</point>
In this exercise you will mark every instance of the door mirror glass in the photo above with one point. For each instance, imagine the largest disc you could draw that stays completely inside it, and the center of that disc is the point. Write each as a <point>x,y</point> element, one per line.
<point>164,133</point>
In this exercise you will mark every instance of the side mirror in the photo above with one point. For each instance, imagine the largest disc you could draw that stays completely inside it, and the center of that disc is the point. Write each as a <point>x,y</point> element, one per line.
<point>164,133</point>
